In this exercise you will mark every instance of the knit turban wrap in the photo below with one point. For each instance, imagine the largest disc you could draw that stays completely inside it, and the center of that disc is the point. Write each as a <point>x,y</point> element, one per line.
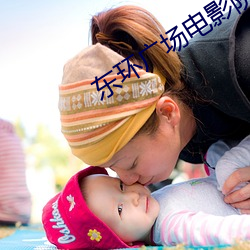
<point>97,128</point>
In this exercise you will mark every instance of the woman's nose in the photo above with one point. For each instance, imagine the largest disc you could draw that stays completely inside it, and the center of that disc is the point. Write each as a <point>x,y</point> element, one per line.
<point>126,177</point>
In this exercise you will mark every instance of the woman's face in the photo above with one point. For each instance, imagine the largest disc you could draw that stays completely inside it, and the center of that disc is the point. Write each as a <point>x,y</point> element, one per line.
<point>147,159</point>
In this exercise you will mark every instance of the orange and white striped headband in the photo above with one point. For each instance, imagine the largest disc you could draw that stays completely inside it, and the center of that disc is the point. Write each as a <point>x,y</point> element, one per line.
<point>97,126</point>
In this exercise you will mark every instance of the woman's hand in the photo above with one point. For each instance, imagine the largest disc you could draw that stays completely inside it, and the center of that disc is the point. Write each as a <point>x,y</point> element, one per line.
<point>241,197</point>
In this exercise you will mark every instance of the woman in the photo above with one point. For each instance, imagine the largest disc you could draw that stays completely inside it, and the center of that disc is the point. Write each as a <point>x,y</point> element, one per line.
<point>205,97</point>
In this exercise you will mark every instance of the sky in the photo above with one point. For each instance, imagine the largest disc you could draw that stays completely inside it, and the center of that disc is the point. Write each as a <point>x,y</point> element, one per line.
<point>38,37</point>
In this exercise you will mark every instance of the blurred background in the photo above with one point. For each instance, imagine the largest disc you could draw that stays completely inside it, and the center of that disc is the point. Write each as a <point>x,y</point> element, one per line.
<point>36,40</point>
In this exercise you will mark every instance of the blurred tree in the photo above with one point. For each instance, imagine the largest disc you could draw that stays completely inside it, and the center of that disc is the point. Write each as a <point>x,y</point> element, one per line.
<point>45,150</point>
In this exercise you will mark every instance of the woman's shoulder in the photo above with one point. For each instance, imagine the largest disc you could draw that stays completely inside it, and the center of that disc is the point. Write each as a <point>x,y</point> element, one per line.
<point>210,71</point>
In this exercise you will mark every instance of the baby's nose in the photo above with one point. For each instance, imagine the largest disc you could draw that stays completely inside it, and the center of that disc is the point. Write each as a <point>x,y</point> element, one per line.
<point>133,198</point>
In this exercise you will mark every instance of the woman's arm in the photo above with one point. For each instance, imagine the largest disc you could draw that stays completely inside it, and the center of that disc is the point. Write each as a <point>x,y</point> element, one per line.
<point>233,175</point>
<point>232,166</point>
<point>237,157</point>
<point>240,198</point>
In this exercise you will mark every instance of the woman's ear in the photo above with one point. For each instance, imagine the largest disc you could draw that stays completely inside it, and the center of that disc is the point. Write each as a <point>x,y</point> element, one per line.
<point>168,110</point>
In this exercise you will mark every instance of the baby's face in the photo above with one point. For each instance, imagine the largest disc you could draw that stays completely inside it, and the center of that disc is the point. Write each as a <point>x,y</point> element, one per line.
<point>130,211</point>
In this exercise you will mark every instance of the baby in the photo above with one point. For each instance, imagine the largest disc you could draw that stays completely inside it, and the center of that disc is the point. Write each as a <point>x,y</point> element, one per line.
<point>96,211</point>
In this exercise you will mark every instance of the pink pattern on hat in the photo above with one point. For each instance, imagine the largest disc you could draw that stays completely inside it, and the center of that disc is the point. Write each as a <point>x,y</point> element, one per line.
<point>72,203</point>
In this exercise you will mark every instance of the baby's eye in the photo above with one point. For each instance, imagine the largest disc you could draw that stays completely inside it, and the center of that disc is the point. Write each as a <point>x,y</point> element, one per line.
<point>121,186</point>
<point>120,206</point>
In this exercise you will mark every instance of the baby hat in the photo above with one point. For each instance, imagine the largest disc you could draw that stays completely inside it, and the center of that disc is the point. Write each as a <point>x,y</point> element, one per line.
<point>69,223</point>
<point>104,100</point>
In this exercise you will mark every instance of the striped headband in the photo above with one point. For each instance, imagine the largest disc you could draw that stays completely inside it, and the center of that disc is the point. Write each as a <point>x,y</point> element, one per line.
<point>95,123</point>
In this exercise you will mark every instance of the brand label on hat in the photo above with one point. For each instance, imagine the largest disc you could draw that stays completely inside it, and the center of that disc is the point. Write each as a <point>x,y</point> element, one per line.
<point>67,237</point>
